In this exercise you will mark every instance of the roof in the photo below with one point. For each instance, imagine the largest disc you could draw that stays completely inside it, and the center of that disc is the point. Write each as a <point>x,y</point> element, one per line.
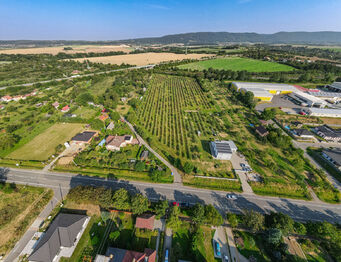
<point>122,255</point>
<point>325,94</point>
<point>334,154</point>
<point>111,126</point>
<point>326,111</point>
<point>328,131</point>
<point>336,85</point>
<point>61,233</point>
<point>224,147</point>
<point>84,136</point>
<point>303,132</point>
<point>265,86</point>
<point>145,221</point>
<point>117,141</point>
<point>309,98</point>
<point>261,130</point>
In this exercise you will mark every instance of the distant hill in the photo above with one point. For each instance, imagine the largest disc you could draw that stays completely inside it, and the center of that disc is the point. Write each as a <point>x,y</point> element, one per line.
<point>202,38</point>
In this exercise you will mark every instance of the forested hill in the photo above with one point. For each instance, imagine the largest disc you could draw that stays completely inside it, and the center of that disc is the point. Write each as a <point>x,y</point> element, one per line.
<point>223,37</point>
<point>312,38</point>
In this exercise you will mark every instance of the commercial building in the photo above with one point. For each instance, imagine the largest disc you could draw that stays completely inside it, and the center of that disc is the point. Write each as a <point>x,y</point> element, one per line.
<point>328,133</point>
<point>307,99</point>
<point>264,91</point>
<point>333,156</point>
<point>324,112</point>
<point>331,97</point>
<point>334,87</point>
<point>60,239</point>
<point>222,150</point>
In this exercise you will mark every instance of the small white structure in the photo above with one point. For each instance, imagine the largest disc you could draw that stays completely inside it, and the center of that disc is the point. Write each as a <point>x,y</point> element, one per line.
<point>223,150</point>
<point>324,112</point>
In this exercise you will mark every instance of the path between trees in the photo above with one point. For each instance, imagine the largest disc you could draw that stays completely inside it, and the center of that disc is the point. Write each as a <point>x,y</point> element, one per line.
<point>176,175</point>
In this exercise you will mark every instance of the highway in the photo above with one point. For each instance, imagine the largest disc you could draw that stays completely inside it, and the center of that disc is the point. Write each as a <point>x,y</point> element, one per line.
<point>79,76</point>
<point>298,209</point>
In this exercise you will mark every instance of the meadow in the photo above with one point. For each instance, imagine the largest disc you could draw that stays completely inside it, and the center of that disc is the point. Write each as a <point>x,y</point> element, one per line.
<point>141,59</point>
<point>237,64</point>
<point>43,146</point>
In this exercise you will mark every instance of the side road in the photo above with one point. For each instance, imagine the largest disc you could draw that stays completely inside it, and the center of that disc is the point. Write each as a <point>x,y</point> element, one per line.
<point>177,176</point>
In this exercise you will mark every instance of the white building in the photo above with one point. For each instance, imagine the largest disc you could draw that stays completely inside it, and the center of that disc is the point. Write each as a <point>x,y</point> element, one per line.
<point>223,150</point>
<point>324,112</point>
<point>308,99</point>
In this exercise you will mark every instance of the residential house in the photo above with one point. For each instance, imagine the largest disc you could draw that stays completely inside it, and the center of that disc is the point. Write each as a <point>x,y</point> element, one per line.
<point>103,116</point>
<point>114,143</point>
<point>145,221</point>
<point>2,107</point>
<point>303,133</point>
<point>6,98</point>
<point>328,133</point>
<point>144,155</point>
<point>122,255</point>
<point>84,137</point>
<point>65,109</point>
<point>333,156</point>
<point>222,150</point>
<point>262,131</point>
<point>17,98</point>
<point>264,122</point>
<point>55,105</point>
<point>60,239</point>
<point>111,126</point>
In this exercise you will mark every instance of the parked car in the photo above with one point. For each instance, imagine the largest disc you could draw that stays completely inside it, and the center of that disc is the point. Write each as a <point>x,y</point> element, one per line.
<point>226,258</point>
<point>174,203</point>
<point>217,249</point>
<point>166,255</point>
<point>230,196</point>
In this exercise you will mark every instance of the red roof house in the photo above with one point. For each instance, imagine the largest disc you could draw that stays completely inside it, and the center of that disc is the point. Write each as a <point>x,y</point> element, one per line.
<point>145,221</point>
<point>65,109</point>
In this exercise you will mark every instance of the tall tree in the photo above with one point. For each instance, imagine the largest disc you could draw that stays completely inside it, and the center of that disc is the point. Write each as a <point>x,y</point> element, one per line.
<point>121,199</point>
<point>198,216</point>
<point>253,220</point>
<point>139,204</point>
<point>212,216</point>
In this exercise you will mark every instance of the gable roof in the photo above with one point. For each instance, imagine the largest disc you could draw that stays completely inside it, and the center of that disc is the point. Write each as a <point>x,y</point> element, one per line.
<point>61,233</point>
<point>145,221</point>
<point>303,132</point>
<point>84,136</point>
<point>122,255</point>
<point>261,130</point>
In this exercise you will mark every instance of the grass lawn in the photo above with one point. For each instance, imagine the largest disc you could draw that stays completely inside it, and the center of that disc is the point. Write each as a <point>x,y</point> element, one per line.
<point>313,251</point>
<point>43,146</point>
<point>238,64</point>
<point>215,184</point>
<point>205,248</point>
<point>19,206</point>
<point>181,244</point>
<point>252,246</point>
<point>86,112</point>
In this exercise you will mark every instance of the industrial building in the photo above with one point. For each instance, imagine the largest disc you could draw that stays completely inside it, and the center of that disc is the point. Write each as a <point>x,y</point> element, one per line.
<point>307,99</point>
<point>222,150</point>
<point>264,91</point>
<point>334,87</point>
<point>331,97</point>
<point>324,112</point>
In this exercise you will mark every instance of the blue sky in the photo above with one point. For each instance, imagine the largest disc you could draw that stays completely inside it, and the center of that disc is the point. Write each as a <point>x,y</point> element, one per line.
<point>123,19</point>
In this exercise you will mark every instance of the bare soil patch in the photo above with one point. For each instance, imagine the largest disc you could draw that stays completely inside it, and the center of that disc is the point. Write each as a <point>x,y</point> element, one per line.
<point>142,59</point>
<point>75,49</point>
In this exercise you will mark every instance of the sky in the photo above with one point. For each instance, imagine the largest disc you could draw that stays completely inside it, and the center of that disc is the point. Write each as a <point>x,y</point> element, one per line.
<point>126,19</point>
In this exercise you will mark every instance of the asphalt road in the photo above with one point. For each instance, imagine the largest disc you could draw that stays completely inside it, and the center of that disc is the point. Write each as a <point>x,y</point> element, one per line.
<point>297,209</point>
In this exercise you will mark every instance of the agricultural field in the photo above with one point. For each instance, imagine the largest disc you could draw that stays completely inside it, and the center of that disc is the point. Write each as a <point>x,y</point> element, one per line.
<point>180,120</point>
<point>75,49</point>
<point>142,59</point>
<point>43,146</point>
<point>237,64</point>
<point>19,206</point>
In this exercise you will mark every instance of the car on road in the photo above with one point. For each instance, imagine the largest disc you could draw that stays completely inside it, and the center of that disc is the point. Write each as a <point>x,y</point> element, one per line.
<point>231,196</point>
<point>242,164</point>
<point>226,258</point>
<point>166,255</point>
<point>217,249</point>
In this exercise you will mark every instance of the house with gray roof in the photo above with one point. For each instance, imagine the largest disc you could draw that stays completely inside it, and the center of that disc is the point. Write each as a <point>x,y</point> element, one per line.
<point>60,238</point>
<point>222,150</point>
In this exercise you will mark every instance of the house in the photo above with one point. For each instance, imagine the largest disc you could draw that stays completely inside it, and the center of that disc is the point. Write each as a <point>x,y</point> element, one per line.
<point>222,150</point>
<point>2,107</point>
<point>75,72</point>
<point>122,255</point>
<point>114,143</point>
<point>264,122</point>
<point>111,126</point>
<point>18,97</point>
<point>65,109</point>
<point>333,156</point>
<point>262,131</point>
<point>84,137</point>
<point>103,116</point>
<point>6,98</point>
<point>144,155</point>
<point>303,133</point>
<point>60,239</point>
<point>328,133</point>
<point>55,105</point>
<point>145,221</point>
<point>297,124</point>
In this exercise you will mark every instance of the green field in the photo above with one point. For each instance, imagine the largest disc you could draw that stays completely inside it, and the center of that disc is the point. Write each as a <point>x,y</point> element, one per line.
<point>43,146</point>
<point>238,64</point>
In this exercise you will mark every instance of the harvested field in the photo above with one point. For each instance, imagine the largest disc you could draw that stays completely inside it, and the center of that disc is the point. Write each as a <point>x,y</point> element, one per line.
<point>43,146</point>
<point>142,59</point>
<point>75,49</point>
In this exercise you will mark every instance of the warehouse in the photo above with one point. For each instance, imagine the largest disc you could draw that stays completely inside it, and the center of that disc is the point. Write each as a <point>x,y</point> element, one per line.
<point>323,112</point>
<point>308,100</point>
<point>335,87</point>
<point>222,150</point>
<point>332,97</point>
<point>264,91</point>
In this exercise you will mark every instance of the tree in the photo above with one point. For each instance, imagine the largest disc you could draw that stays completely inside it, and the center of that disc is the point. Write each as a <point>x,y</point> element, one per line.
<point>121,199</point>
<point>105,215</point>
<point>300,228</point>
<point>114,235</point>
<point>253,220</point>
<point>173,221</point>
<point>198,216</point>
<point>7,140</point>
<point>268,113</point>
<point>140,166</point>
<point>97,124</point>
<point>188,167</point>
<point>281,221</point>
<point>139,204</point>
<point>273,236</point>
<point>232,218</point>
<point>84,98</point>
<point>212,216</point>
<point>160,208</point>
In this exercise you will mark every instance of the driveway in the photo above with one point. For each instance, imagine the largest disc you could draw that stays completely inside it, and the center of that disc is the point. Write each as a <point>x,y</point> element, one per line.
<point>168,242</point>
<point>236,160</point>
<point>235,256</point>
<point>220,237</point>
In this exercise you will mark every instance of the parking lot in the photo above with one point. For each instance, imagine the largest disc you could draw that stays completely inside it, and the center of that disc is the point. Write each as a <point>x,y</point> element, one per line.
<point>280,101</point>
